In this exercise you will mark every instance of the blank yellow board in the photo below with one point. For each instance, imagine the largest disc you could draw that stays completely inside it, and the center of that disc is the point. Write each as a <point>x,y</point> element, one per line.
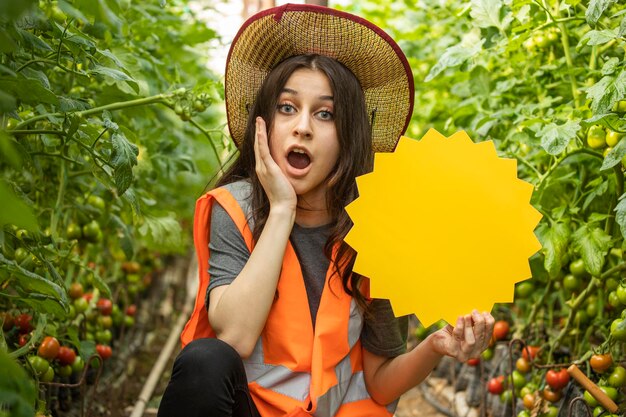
<point>443,226</point>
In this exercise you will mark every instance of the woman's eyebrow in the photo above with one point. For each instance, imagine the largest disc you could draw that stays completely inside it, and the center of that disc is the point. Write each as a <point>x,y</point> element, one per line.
<point>295,93</point>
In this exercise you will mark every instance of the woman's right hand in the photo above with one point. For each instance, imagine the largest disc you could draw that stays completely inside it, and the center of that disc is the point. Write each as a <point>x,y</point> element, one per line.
<point>280,192</point>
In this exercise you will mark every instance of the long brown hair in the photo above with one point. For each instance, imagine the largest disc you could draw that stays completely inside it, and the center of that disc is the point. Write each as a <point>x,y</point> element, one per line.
<point>355,155</point>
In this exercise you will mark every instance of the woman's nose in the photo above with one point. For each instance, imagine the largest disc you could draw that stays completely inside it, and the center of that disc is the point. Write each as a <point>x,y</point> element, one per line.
<point>303,126</point>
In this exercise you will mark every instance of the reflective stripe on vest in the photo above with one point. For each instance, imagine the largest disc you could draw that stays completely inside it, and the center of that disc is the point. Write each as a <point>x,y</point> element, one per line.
<point>293,370</point>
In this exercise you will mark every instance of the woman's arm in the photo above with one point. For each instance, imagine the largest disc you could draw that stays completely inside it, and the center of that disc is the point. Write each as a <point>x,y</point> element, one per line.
<point>388,378</point>
<point>238,311</point>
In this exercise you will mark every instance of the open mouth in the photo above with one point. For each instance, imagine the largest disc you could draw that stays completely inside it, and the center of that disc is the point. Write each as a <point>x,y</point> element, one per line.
<point>298,159</point>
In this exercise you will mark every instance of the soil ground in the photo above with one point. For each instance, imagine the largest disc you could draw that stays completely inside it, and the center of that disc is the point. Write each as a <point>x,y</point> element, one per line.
<point>122,381</point>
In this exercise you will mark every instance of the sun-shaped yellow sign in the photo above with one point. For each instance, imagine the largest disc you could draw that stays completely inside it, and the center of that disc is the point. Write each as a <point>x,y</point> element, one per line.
<point>443,226</point>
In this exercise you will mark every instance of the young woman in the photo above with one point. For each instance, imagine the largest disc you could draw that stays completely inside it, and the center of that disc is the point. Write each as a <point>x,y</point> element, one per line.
<point>290,331</point>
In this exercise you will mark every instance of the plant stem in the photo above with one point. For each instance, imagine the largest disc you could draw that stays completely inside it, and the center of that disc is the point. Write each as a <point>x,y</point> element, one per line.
<point>159,98</point>
<point>56,213</point>
<point>570,64</point>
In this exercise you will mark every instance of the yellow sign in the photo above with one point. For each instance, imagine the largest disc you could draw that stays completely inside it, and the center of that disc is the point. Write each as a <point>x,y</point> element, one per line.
<point>443,226</point>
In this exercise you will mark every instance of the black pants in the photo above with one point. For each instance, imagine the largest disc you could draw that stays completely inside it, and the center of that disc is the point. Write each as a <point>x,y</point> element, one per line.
<point>208,380</point>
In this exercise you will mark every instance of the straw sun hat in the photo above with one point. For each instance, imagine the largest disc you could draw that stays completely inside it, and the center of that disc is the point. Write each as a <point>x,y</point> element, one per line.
<point>275,34</point>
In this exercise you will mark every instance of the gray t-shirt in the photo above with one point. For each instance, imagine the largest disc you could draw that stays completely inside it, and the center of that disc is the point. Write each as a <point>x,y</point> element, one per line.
<point>382,333</point>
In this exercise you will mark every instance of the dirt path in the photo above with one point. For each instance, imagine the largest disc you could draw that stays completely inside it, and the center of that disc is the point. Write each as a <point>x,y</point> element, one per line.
<point>413,404</point>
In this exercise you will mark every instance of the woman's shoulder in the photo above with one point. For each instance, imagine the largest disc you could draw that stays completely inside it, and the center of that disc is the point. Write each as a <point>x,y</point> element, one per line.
<point>241,190</point>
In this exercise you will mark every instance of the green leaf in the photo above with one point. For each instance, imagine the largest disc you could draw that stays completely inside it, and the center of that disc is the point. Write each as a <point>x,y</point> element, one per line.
<point>123,160</point>
<point>17,390</point>
<point>595,10</point>
<point>597,37</point>
<point>131,198</point>
<point>7,102</point>
<point>30,282</point>
<point>71,105</point>
<point>116,75</point>
<point>34,42</point>
<point>8,153</point>
<point>164,230</point>
<point>71,11</point>
<point>606,92</point>
<point>592,243</point>
<point>555,138</point>
<point>555,241</point>
<point>620,214</point>
<point>608,120</point>
<point>615,156</point>
<point>600,188</point>
<point>28,91</point>
<point>15,211</point>
<point>622,28</point>
<point>12,9</point>
<point>455,56</point>
<point>486,13</point>
<point>610,66</point>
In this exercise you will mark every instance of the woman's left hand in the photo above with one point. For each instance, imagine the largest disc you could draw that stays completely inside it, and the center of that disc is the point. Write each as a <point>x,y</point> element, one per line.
<point>467,339</point>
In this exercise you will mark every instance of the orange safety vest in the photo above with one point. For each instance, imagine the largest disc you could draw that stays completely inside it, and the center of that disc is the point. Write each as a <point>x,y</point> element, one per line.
<point>293,370</point>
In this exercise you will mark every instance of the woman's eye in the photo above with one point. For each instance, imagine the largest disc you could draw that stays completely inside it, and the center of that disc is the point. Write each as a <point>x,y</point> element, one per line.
<point>286,108</point>
<point>325,115</point>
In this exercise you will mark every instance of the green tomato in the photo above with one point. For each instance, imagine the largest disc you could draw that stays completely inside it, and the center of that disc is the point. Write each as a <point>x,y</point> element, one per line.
<point>571,282</point>
<point>524,289</point>
<point>617,379</point>
<point>65,371</point>
<point>78,365</point>
<point>611,284</point>
<point>487,354</point>
<point>621,294</point>
<point>613,300</point>
<point>49,375</point>
<point>104,336</point>
<point>596,137</point>
<point>618,330</point>
<point>39,364</point>
<point>589,399</point>
<point>81,305</point>
<point>517,380</point>
<point>577,268</point>
<point>613,138</point>
<point>598,410</point>
<point>611,392</point>
<point>506,396</point>
<point>552,412</point>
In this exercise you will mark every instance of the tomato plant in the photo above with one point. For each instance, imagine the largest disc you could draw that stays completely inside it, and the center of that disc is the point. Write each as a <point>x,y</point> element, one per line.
<point>84,94</point>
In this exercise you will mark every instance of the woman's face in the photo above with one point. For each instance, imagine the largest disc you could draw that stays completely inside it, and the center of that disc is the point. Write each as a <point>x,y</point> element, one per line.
<point>303,138</point>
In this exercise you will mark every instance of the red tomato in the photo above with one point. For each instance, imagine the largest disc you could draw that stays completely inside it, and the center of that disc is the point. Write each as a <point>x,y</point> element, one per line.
<point>473,361</point>
<point>66,355</point>
<point>76,290</point>
<point>23,322</point>
<point>131,310</point>
<point>105,306</point>
<point>557,379</point>
<point>552,396</point>
<point>496,385</point>
<point>500,329</point>
<point>601,363</point>
<point>529,352</point>
<point>23,339</point>
<point>523,365</point>
<point>104,351</point>
<point>49,348</point>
